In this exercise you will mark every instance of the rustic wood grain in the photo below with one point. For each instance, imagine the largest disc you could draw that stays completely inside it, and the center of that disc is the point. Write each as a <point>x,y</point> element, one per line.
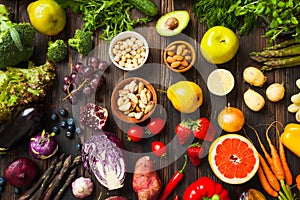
<point>162,79</point>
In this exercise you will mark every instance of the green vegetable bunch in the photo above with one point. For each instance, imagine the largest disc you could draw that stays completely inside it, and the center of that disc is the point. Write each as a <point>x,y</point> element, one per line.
<point>215,13</point>
<point>57,50</point>
<point>281,16</point>
<point>20,87</point>
<point>16,40</point>
<point>81,42</point>
<point>111,16</point>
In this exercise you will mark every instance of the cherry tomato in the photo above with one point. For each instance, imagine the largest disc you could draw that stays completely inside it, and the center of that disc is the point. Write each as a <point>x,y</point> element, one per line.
<point>231,119</point>
<point>156,125</point>
<point>159,149</point>
<point>135,133</point>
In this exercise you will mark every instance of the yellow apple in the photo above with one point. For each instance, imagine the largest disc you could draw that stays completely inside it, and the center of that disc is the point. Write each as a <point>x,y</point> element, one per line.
<point>219,45</point>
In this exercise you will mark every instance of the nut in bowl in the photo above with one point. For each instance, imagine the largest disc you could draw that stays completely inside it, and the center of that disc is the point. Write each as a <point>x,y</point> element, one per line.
<point>133,100</point>
<point>179,56</point>
<point>128,50</point>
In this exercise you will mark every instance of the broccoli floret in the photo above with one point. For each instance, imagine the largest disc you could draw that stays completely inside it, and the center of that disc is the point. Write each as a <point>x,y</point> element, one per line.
<point>57,50</point>
<point>81,41</point>
<point>16,40</point>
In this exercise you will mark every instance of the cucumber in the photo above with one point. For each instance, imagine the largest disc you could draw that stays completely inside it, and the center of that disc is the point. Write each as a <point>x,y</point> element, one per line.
<point>147,7</point>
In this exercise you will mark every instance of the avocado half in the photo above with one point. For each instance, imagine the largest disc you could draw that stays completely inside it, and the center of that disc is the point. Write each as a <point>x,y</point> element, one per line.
<point>172,23</point>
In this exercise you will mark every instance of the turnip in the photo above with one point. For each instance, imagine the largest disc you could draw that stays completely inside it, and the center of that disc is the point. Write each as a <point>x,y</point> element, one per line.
<point>82,187</point>
<point>43,145</point>
<point>275,92</point>
<point>21,172</point>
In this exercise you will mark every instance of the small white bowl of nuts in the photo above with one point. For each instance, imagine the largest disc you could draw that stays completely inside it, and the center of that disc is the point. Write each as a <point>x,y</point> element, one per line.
<point>128,50</point>
<point>133,100</point>
<point>179,56</point>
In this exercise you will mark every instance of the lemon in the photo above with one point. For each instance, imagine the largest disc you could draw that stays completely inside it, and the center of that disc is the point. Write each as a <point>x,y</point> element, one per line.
<point>220,82</point>
<point>47,16</point>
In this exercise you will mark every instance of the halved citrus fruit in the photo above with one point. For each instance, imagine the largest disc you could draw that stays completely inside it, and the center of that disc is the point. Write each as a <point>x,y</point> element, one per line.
<point>233,158</point>
<point>220,82</point>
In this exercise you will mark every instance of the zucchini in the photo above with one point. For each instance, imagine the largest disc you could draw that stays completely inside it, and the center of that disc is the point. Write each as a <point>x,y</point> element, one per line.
<point>148,7</point>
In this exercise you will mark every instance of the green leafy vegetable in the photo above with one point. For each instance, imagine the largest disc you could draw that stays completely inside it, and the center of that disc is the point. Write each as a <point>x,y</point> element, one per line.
<point>215,13</point>
<point>81,42</point>
<point>111,16</point>
<point>281,16</point>
<point>20,87</point>
<point>57,50</point>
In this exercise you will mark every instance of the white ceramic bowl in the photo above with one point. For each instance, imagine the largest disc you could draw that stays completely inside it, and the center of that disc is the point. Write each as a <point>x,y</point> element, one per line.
<point>122,51</point>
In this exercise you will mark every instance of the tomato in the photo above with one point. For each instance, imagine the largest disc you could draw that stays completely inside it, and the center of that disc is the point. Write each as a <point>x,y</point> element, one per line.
<point>159,149</point>
<point>135,133</point>
<point>231,119</point>
<point>156,125</point>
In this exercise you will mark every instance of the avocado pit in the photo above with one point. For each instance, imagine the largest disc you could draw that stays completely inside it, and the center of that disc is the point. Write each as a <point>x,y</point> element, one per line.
<point>171,23</point>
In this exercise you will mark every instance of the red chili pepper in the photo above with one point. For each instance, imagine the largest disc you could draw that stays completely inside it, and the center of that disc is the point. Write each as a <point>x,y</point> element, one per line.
<point>176,197</point>
<point>205,188</point>
<point>176,178</point>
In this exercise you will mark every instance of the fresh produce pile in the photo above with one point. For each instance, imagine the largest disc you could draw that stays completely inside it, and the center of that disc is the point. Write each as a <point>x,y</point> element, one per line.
<point>234,152</point>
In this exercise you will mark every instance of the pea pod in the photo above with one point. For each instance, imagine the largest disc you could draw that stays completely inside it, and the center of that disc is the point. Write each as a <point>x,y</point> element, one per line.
<point>290,138</point>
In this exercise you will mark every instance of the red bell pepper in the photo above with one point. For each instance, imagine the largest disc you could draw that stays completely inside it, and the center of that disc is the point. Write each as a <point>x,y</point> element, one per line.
<point>205,189</point>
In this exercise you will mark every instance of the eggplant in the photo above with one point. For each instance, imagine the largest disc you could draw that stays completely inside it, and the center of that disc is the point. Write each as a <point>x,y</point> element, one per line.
<point>26,123</point>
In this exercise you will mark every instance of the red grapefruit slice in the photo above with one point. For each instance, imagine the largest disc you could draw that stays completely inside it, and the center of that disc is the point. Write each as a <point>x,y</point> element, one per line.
<point>233,158</point>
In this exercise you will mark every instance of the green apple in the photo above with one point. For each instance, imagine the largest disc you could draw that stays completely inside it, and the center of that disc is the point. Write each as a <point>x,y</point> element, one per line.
<point>219,45</point>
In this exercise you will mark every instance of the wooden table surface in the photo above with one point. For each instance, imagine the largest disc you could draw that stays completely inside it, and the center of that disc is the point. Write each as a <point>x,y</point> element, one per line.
<point>161,77</point>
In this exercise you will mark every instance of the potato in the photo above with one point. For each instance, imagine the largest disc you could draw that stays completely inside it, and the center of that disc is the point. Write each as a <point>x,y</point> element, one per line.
<point>254,76</point>
<point>146,182</point>
<point>254,100</point>
<point>275,92</point>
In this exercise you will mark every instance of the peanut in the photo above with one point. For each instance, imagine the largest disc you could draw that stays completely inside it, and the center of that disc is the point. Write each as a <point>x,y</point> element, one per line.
<point>175,64</point>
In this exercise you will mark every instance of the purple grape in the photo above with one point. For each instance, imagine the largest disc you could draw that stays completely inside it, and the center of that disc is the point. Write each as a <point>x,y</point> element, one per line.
<point>88,71</point>
<point>93,61</point>
<point>66,88</point>
<point>67,80</point>
<point>94,83</point>
<point>78,67</point>
<point>103,65</point>
<point>73,76</point>
<point>73,99</point>
<point>78,79</point>
<point>87,91</point>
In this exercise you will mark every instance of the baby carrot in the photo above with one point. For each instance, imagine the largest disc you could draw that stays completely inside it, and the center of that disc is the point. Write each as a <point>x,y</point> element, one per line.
<point>265,184</point>
<point>276,165</point>
<point>269,174</point>
<point>287,172</point>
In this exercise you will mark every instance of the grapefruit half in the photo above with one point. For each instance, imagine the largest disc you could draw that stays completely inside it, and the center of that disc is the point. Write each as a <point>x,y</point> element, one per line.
<point>233,158</point>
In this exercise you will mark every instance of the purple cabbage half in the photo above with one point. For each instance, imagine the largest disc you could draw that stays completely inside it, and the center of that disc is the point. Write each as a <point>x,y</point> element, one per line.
<point>102,155</point>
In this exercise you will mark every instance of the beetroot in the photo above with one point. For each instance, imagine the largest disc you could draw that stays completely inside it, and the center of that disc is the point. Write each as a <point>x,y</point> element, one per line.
<point>21,172</point>
<point>93,116</point>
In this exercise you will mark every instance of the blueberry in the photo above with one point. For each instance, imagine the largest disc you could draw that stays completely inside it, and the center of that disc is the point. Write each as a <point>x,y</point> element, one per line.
<point>71,128</point>
<point>69,134</point>
<point>54,116</point>
<point>71,121</point>
<point>55,129</point>
<point>1,188</point>
<point>2,181</point>
<point>63,112</point>
<point>17,190</point>
<point>63,124</point>
<point>79,146</point>
<point>78,130</point>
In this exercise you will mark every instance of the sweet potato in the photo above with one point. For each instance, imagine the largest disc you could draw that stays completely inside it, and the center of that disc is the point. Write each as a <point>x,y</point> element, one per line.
<point>146,182</point>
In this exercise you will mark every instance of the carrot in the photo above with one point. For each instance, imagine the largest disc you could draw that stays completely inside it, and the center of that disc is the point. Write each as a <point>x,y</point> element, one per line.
<point>265,184</point>
<point>276,165</point>
<point>269,174</point>
<point>298,181</point>
<point>287,172</point>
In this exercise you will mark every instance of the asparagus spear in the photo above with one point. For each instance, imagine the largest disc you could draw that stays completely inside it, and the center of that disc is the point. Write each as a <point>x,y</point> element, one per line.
<point>66,184</point>
<point>268,68</point>
<point>283,61</point>
<point>281,45</point>
<point>55,183</point>
<point>287,51</point>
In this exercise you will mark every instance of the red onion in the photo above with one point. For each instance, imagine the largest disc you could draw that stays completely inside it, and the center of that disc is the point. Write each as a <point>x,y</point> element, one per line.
<point>43,145</point>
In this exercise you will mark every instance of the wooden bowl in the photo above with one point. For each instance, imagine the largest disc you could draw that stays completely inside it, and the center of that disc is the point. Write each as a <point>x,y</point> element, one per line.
<point>121,115</point>
<point>180,68</point>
